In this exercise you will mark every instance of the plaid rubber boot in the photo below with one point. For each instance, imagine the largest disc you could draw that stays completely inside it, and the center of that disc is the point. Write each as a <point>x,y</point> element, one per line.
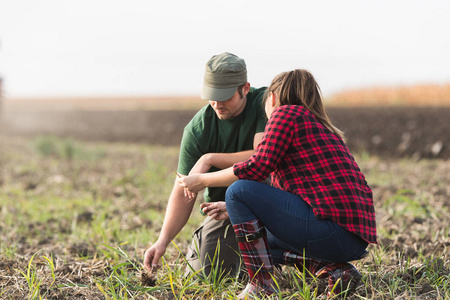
<point>312,265</point>
<point>341,277</point>
<point>251,237</point>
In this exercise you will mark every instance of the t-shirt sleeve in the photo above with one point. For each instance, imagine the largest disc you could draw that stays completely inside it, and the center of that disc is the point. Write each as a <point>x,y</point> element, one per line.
<point>189,153</point>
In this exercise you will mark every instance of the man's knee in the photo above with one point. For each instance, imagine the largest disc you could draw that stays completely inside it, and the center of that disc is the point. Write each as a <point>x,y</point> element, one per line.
<point>214,249</point>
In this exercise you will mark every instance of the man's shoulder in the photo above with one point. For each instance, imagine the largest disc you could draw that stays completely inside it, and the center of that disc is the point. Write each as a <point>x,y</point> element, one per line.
<point>204,116</point>
<point>256,93</point>
<point>254,103</point>
<point>254,98</point>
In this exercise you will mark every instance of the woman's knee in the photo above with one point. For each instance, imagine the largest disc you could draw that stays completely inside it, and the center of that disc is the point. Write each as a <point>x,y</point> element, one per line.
<point>235,194</point>
<point>235,189</point>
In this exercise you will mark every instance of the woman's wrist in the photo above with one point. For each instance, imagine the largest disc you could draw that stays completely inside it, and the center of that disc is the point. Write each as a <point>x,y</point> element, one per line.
<point>204,179</point>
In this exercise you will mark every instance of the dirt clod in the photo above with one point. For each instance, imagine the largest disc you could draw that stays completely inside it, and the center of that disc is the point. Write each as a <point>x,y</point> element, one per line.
<point>147,279</point>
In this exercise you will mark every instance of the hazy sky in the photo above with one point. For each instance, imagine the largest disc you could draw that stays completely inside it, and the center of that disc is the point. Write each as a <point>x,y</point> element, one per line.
<point>148,47</point>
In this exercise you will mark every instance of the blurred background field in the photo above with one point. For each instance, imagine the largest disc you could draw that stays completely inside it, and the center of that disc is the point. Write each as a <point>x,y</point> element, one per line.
<point>405,121</point>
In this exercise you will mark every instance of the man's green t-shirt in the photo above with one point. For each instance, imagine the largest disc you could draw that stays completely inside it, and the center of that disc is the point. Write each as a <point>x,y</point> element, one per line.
<point>206,133</point>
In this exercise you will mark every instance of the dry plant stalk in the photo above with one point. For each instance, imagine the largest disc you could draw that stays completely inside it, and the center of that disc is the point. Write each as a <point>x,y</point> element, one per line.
<point>415,95</point>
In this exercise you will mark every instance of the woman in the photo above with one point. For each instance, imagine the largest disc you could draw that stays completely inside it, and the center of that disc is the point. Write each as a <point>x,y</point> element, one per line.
<point>318,213</point>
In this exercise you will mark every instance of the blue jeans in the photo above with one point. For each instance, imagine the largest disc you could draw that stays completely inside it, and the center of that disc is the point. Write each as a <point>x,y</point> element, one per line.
<point>291,223</point>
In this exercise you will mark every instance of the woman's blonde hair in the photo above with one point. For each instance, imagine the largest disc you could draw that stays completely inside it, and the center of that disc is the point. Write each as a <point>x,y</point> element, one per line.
<point>298,87</point>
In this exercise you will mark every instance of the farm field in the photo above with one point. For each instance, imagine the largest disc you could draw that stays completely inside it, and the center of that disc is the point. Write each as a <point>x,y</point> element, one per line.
<point>83,189</point>
<point>76,218</point>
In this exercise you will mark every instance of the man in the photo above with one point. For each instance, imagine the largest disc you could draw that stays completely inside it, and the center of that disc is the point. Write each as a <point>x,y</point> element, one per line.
<point>222,133</point>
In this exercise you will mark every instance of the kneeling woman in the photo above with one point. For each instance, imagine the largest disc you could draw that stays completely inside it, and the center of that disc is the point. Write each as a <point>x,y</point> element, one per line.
<point>318,214</point>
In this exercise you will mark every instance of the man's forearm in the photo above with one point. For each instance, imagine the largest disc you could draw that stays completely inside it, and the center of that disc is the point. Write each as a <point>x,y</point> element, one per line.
<point>178,211</point>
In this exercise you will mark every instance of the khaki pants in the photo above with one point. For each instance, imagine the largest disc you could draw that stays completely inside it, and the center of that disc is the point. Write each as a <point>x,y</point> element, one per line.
<point>206,254</point>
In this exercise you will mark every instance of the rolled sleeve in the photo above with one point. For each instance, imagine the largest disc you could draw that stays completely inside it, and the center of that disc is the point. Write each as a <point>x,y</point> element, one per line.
<point>246,170</point>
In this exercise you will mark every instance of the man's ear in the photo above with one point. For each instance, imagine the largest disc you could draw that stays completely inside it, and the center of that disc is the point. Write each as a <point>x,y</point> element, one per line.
<point>246,89</point>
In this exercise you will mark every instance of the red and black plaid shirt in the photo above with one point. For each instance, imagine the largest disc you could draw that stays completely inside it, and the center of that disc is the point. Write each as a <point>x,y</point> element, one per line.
<point>307,159</point>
